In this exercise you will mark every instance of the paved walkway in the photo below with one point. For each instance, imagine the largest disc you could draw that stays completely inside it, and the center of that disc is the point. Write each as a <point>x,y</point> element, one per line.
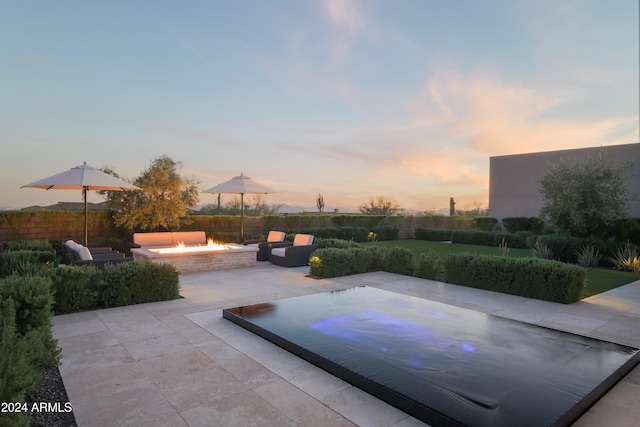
<point>179,363</point>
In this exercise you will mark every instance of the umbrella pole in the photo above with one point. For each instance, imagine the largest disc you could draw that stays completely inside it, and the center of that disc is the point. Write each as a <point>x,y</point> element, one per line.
<point>86,234</point>
<point>241,217</point>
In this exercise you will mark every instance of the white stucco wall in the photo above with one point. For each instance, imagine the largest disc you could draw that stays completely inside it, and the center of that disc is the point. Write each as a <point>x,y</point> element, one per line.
<point>514,179</point>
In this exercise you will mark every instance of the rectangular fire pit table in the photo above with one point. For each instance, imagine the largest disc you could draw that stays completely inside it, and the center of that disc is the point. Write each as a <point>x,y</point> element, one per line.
<point>201,258</point>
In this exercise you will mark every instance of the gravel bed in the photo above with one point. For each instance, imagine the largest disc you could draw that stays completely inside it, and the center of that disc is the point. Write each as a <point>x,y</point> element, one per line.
<point>51,391</point>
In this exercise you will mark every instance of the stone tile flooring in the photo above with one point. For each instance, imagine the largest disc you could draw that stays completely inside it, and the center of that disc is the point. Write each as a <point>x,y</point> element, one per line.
<point>179,363</point>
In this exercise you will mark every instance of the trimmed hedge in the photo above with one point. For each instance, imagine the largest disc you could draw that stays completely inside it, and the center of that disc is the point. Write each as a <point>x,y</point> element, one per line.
<point>129,283</point>
<point>527,277</point>
<point>337,243</point>
<point>333,261</point>
<point>356,234</point>
<point>73,288</point>
<point>520,223</point>
<point>487,238</point>
<point>473,237</point>
<point>485,223</point>
<point>433,234</point>
<point>430,265</point>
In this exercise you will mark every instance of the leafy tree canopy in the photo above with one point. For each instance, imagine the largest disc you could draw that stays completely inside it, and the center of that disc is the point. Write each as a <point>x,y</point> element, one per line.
<point>380,206</point>
<point>165,197</point>
<point>586,197</point>
<point>255,207</point>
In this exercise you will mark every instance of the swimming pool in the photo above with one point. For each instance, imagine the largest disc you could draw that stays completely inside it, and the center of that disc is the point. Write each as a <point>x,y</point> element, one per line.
<point>443,364</point>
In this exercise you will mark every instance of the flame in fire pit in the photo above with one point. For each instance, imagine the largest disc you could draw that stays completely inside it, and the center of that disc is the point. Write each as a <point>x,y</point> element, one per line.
<point>182,248</point>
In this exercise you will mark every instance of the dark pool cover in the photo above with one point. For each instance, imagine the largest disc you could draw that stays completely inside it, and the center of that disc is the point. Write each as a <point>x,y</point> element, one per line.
<point>443,364</point>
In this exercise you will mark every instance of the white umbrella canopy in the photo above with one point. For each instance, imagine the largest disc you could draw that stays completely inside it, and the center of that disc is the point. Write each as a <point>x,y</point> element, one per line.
<point>242,185</point>
<point>85,178</point>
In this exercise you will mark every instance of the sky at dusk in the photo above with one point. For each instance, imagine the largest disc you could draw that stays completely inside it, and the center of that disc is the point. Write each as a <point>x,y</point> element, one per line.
<point>405,99</point>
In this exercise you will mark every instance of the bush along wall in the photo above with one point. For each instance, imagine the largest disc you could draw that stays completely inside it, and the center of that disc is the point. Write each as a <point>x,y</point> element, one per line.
<point>520,223</point>
<point>527,277</point>
<point>433,234</point>
<point>356,234</point>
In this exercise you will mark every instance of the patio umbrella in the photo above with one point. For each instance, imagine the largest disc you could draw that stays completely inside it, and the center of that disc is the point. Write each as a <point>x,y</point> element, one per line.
<point>83,177</point>
<point>242,185</point>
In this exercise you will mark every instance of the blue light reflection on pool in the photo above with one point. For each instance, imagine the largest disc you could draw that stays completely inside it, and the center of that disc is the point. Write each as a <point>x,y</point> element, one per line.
<point>470,367</point>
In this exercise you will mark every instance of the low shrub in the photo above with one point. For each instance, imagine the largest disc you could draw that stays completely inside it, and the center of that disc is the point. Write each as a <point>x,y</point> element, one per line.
<point>473,237</point>
<point>224,236</point>
<point>337,243</point>
<point>520,223</point>
<point>113,243</point>
<point>527,277</point>
<point>136,282</point>
<point>525,234</point>
<point>331,262</point>
<point>485,223</point>
<point>386,233</point>
<point>433,234</point>
<point>362,260</point>
<point>19,375</point>
<point>566,248</point>
<point>28,245</point>
<point>626,258</point>
<point>356,234</point>
<point>541,250</point>
<point>429,266</point>
<point>398,260</point>
<point>628,230</point>
<point>73,288</point>
<point>377,257</point>
<point>510,239</point>
<point>32,298</point>
<point>22,261</point>
<point>588,256</point>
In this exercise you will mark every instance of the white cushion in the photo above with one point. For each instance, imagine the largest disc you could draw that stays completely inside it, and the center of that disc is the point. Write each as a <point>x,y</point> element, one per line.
<point>278,252</point>
<point>303,240</point>
<point>70,244</point>
<point>255,245</point>
<point>83,253</point>
<point>275,236</point>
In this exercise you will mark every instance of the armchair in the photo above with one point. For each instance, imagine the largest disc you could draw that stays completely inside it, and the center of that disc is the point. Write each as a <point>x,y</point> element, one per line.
<point>274,239</point>
<point>296,254</point>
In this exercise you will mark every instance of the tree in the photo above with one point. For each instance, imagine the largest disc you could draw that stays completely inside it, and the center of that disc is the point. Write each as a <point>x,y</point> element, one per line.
<point>256,207</point>
<point>587,197</point>
<point>165,197</point>
<point>380,206</point>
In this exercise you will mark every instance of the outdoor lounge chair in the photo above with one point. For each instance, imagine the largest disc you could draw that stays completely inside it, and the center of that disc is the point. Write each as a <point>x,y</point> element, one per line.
<point>295,254</point>
<point>275,239</point>
<point>76,254</point>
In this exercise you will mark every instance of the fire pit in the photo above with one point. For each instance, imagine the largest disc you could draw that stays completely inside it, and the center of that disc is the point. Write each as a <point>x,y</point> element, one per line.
<point>188,259</point>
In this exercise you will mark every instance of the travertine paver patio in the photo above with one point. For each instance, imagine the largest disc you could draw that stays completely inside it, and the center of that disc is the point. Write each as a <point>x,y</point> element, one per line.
<point>178,363</point>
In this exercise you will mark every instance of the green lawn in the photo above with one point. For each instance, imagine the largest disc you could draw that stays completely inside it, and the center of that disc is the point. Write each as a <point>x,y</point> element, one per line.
<point>598,279</point>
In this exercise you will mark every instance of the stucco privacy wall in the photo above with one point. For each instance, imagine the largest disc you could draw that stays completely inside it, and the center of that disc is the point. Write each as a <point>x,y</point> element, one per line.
<point>514,179</point>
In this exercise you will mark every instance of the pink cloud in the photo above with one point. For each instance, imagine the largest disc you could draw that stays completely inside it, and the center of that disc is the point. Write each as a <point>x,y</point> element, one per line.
<point>347,23</point>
